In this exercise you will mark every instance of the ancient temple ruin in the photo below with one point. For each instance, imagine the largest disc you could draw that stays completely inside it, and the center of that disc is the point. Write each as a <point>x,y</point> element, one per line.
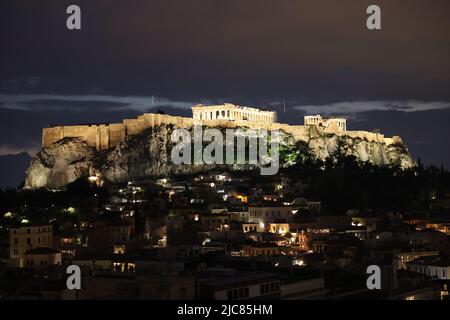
<point>232,112</point>
<point>334,123</point>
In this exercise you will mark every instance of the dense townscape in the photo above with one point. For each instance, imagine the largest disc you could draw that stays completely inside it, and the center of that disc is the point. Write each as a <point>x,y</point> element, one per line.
<point>307,233</point>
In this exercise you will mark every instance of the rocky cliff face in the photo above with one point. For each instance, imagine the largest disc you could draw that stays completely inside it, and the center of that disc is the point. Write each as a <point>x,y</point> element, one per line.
<point>377,152</point>
<point>144,155</point>
<point>148,155</point>
<point>59,164</point>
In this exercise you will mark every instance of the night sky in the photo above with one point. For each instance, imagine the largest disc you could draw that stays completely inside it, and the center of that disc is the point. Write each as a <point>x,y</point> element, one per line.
<point>316,55</point>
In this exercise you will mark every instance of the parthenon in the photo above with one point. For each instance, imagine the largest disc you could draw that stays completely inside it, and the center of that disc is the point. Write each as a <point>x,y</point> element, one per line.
<point>232,112</point>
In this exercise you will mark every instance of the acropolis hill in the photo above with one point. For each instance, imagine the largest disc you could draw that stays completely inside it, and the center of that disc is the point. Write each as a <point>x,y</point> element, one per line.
<point>140,148</point>
<point>106,136</point>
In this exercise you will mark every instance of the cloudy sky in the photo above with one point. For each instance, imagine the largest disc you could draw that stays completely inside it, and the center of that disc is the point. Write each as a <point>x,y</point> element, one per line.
<point>316,55</point>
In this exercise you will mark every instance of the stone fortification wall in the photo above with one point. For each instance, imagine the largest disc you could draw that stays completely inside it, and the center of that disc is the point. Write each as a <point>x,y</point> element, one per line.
<point>105,136</point>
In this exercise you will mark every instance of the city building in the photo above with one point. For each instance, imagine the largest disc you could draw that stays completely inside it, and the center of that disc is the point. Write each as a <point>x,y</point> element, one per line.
<point>430,239</point>
<point>304,289</point>
<point>404,257</point>
<point>214,221</point>
<point>104,235</point>
<point>437,267</point>
<point>255,227</point>
<point>261,249</point>
<point>303,240</point>
<point>268,215</point>
<point>279,228</point>
<point>42,257</point>
<point>26,238</point>
<point>229,285</point>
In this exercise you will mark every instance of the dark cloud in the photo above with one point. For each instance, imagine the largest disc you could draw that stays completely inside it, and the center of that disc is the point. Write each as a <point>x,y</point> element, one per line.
<point>240,49</point>
<point>49,102</point>
<point>355,108</point>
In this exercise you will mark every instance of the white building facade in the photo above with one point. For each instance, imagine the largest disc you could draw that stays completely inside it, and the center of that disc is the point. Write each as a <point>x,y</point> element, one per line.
<point>26,238</point>
<point>266,215</point>
<point>434,267</point>
<point>232,112</point>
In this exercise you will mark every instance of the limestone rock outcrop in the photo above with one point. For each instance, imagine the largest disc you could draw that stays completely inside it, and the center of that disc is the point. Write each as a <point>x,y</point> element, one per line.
<point>59,164</point>
<point>147,154</point>
<point>382,151</point>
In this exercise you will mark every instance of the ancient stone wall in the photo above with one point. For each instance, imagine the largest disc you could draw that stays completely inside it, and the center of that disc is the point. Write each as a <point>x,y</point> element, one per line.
<point>105,136</point>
